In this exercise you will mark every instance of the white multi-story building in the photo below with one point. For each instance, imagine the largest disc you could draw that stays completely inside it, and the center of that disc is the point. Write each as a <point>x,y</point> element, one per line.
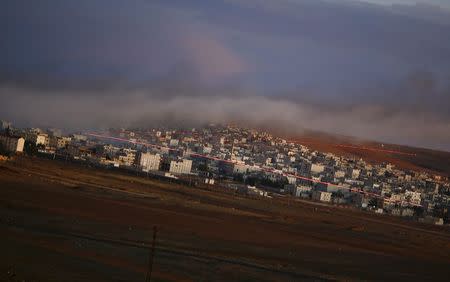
<point>240,167</point>
<point>12,144</point>
<point>63,142</point>
<point>127,157</point>
<point>42,139</point>
<point>181,167</point>
<point>300,189</point>
<point>110,149</point>
<point>321,196</point>
<point>355,173</point>
<point>339,174</point>
<point>397,198</point>
<point>291,179</point>
<point>149,161</point>
<point>413,197</point>
<point>173,142</point>
<point>317,168</point>
<point>209,181</point>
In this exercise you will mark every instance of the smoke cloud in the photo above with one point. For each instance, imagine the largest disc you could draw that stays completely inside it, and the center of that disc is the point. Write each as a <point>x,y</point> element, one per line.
<point>128,107</point>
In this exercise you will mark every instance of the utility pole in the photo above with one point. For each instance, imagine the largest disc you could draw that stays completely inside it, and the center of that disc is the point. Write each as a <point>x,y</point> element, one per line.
<point>152,254</point>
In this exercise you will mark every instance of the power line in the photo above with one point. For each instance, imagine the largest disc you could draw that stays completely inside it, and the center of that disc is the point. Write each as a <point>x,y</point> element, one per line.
<point>271,170</point>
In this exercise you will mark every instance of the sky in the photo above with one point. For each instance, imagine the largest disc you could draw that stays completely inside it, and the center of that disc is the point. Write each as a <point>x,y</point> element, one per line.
<point>439,3</point>
<point>373,69</point>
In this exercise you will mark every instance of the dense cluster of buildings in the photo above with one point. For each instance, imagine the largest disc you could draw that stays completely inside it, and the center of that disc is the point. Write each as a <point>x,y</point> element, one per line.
<point>256,163</point>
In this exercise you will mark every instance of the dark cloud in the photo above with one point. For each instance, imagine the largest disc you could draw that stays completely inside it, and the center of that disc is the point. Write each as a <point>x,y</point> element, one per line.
<point>371,71</point>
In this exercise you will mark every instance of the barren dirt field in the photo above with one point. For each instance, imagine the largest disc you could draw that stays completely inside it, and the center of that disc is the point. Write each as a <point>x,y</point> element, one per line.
<point>66,222</point>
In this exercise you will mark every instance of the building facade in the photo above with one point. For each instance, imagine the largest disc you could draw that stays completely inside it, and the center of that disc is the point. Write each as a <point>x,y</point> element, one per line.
<point>149,161</point>
<point>181,167</point>
<point>321,196</point>
<point>12,144</point>
<point>42,139</point>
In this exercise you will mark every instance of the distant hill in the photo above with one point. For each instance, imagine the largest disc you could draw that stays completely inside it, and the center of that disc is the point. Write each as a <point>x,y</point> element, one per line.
<point>405,157</point>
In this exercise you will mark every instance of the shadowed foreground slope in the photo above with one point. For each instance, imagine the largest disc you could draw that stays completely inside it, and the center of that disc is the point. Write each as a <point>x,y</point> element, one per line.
<point>63,222</point>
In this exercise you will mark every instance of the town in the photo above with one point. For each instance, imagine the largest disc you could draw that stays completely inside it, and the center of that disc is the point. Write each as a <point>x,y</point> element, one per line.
<point>246,161</point>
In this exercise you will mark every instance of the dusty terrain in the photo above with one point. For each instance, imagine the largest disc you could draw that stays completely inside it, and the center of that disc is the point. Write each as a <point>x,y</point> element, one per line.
<point>66,222</point>
<point>405,157</point>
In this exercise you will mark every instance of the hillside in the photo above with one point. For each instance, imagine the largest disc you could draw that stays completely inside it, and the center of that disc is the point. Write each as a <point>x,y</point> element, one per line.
<point>64,222</point>
<point>405,157</point>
